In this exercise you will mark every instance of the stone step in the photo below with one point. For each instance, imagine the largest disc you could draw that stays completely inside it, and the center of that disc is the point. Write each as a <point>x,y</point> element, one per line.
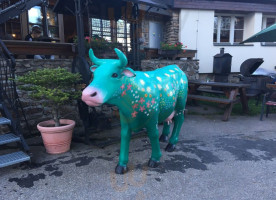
<point>8,138</point>
<point>13,158</point>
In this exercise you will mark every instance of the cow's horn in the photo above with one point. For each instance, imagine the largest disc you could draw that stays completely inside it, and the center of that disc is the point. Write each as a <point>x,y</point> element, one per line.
<point>122,57</point>
<point>93,58</point>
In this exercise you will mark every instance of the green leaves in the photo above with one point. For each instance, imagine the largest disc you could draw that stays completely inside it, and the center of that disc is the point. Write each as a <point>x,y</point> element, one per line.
<point>168,46</point>
<point>55,86</point>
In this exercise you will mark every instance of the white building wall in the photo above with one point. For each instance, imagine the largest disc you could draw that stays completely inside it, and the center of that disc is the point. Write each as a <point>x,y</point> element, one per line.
<point>196,31</point>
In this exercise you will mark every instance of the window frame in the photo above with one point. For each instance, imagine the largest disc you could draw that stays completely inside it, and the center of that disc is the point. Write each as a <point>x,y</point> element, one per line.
<point>30,24</point>
<point>232,27</point>
<point>264,21</point>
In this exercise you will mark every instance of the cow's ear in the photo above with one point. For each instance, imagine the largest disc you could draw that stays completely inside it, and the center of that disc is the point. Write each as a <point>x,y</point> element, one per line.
<point>128,72</point>
<point>93,68</point>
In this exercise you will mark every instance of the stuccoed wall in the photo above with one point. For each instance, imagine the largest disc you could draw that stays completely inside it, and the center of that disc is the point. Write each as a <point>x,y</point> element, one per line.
<point>190,67</point>
<point>34,110</point>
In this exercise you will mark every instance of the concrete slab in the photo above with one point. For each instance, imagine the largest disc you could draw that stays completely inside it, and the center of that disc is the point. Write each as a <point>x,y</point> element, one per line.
<point>233,160</point>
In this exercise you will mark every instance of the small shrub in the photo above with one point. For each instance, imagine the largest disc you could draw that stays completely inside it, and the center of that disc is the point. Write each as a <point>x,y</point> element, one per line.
<point>55,86</point>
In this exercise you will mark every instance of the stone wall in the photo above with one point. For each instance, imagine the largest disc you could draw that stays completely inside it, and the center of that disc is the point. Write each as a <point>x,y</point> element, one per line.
<point>34,110</point>
<point>190,67</point>
<point>172,28</point>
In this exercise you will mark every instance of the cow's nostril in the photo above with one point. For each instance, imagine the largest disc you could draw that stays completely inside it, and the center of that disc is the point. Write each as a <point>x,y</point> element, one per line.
<point>94,94</point>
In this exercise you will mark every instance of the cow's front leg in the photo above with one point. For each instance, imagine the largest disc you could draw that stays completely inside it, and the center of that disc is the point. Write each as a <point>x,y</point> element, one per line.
<point>155,146</point>
<point>121,168</point>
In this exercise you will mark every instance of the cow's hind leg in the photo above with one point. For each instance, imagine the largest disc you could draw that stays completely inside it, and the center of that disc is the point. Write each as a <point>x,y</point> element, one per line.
<point>178,118</point>
<point>153,134</point>
<point>165,132</point>
<point>178,121</point>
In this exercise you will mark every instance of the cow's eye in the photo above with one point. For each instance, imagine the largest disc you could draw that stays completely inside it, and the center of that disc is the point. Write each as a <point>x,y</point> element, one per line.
<point>114,75</point>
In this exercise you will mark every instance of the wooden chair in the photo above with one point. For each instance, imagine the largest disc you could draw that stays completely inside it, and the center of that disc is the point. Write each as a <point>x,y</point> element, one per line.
<point>269,99</point>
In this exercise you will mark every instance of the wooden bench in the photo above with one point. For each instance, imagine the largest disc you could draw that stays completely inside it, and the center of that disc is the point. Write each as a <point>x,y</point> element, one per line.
<point>229,90</point>
<point>211,99</point>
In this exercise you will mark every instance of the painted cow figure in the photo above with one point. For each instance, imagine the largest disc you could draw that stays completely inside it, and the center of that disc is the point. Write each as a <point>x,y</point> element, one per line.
<point>144,99</point>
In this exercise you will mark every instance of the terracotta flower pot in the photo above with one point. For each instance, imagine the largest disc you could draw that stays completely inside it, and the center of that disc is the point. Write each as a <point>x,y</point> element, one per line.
<point>56,139</point>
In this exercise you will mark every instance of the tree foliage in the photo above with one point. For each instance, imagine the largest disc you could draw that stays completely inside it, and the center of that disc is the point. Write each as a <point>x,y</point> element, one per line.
<point>56,87</point>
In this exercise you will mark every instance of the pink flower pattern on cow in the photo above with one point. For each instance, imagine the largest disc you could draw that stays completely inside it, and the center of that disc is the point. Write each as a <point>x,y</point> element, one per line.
<point>142,108</point>
<point>135,106</point>
<point>123,86</point>
<point>129,87</point>
<point>142,100</point>
<point>148,104</point>
<point>123,93</point>
<point>134,114</point>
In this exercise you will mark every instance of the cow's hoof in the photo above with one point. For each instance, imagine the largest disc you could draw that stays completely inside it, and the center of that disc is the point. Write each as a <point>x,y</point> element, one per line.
<point>153,164</point>
<point>120,169</point>
<point>170,147</point>
<point>163,138</point>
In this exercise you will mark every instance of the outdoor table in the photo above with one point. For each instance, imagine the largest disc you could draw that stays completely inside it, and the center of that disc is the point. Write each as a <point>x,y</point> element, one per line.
<point>230,91</point>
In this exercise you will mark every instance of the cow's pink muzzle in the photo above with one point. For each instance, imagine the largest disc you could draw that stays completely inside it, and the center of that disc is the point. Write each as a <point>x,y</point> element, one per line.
<point>92,96</point>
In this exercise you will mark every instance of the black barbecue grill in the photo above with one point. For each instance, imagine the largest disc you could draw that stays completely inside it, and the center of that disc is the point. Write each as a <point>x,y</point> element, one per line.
<point>257,82</point>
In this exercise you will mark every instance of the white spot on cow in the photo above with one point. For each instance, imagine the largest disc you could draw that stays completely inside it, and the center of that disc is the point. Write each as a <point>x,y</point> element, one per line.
<point>148,89</point>
<point>142,82</point>
<point>147,114</point>
<point>143,89</point>
<point>171,93</point>
<point>167,75</point>
<point>171,71</point>
<point>159,79</point>
<point>132,102</point>
<point>173,76</point>
<point>154,86</point>
<point>136,92</point>
<point>146,75</point>
<point>176,69</point>
<point>167,86</point>
<point>136,101</point>
<point>159,86</point>
<point>181,80</point>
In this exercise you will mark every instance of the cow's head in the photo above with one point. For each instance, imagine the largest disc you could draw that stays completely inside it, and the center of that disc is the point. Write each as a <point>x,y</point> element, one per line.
<point>108,75</point>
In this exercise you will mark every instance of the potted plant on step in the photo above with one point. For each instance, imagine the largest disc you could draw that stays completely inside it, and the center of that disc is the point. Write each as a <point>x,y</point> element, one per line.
<point>54,88</point>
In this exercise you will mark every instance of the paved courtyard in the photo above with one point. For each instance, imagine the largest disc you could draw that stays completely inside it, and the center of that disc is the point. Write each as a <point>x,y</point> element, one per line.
<point>214,160</point>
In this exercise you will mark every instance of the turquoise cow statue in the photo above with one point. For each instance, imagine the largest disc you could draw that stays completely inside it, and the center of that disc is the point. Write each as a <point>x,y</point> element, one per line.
<point>144,99</point>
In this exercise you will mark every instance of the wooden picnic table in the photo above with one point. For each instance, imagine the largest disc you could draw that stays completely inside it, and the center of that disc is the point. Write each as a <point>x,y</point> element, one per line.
<point>229,90</point>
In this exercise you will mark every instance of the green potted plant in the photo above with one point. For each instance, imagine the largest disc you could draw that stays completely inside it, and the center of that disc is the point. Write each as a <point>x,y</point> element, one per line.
<point>167,48</point>
<point>55,88</point>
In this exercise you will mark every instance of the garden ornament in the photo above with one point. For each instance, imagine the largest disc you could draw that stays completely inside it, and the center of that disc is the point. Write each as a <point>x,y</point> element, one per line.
<point>143,98</point>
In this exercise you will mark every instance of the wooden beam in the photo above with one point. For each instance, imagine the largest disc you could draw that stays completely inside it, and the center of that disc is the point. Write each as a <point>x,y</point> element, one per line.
<point>40,48</point>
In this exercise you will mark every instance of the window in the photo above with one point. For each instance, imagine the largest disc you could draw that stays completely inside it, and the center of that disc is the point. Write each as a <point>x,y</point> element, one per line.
<point>112,31</point>
<point>35,16</point>
<point>123,33</point>
<point>228,29</point>
<point>11,29</point>
<point>101,28</point>
<point>268,21</point>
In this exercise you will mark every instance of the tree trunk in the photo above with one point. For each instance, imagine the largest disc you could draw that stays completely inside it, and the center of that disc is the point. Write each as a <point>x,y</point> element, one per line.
<point>56,118</point>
